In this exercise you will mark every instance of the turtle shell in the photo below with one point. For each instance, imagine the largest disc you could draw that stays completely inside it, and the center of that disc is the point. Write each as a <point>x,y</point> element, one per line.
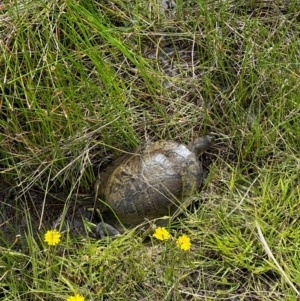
<point>151,182</point>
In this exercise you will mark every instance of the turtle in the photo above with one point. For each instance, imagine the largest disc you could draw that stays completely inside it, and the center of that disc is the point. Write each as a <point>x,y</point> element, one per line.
<point>152,182</point>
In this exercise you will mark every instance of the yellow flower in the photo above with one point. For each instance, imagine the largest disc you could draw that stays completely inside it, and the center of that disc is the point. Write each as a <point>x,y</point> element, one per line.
<point>161,233</point>
<point>76,297</point>
<point>52,237</point>
<point>184,242</point>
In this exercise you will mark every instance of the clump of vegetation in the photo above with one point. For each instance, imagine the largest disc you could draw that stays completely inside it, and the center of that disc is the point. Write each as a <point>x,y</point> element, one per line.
<point>83,81</point>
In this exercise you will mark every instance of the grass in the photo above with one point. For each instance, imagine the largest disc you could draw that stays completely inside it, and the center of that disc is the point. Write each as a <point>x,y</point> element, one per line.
<point>84,81</point>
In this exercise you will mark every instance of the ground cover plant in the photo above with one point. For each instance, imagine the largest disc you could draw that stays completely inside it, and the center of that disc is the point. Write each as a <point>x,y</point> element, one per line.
<point>83,81</point>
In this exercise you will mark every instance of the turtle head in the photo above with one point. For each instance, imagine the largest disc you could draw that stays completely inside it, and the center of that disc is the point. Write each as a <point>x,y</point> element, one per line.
<point>200,144</point>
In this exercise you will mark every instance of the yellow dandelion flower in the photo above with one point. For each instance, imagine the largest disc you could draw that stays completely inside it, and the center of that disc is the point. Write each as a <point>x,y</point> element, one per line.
<point>184,242</point>
<point>52,237</point>
<point>76,297</point>
<point>161,233</point>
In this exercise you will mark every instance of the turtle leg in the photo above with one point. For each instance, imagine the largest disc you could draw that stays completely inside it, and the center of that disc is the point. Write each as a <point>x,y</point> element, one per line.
<point>104,230</point>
